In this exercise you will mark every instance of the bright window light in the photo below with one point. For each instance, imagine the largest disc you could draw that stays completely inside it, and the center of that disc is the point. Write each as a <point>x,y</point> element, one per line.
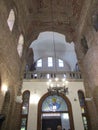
<point>20,45</point>
<point>4,88</point>
<point>60,63</point>
<point>50,62</point>
<point>65,116</point>
<point>48,76</point>
<point>39,63</point>
<point>11,19</point>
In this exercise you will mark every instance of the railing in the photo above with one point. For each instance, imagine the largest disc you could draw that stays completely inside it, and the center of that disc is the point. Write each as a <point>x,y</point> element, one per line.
<point>46,75</point>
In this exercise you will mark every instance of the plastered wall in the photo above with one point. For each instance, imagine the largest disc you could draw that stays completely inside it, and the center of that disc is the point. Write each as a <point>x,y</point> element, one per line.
<point>38,89</point>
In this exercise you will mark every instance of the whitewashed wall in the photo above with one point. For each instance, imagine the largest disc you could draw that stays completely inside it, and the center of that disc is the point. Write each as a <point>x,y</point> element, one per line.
<point>38,88</point>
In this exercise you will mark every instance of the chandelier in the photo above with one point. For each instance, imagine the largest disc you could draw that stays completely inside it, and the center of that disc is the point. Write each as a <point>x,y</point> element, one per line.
<point>57,86</point>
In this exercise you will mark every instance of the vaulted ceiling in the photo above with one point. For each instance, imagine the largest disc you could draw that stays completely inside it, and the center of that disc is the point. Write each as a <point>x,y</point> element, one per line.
<point>54,15</point>
<point>48,15</point>
<point>67,17</point>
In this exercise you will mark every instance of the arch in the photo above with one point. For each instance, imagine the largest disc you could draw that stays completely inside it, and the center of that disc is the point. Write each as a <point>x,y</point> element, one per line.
<point>40,110</point>
<point>25,109</point>
<point>45,42</point>
<point>11,19</point>
<point>38,30</point>
<point>83,110</point>
<point>20,45</point>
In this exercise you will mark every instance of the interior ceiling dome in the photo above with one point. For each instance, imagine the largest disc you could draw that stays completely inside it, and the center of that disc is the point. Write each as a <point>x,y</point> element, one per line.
<point>54,44</point>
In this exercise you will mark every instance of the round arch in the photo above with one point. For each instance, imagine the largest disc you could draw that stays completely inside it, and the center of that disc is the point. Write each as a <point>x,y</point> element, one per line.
<point>37,30</point>
<point>40,110</point>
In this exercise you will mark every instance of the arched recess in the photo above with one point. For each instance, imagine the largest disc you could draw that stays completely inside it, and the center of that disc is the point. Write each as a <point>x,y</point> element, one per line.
<point>83,110</point>
<point>25,110</point>
<point>11,19</point>
<point>20,45</point>
<point>64,111</point>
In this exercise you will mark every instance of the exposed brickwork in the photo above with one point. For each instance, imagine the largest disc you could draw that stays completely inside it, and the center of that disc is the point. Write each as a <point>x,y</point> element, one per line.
<point>72,18</point>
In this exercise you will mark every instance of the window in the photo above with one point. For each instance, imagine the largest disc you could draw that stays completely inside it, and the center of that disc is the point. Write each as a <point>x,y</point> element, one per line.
<point>39,63</point>
<point>25,110</point>
<point>48,76</point>
<point>83,109</point>
<point>20,45</point>
<point>11,19</point>
<point>50,62</point>
<point>54,103</point>
<point>60,63</point>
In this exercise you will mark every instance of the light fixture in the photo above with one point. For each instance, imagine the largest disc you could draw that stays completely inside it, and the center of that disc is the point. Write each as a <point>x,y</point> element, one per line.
<point>56,85</point>
<point>4,88</point>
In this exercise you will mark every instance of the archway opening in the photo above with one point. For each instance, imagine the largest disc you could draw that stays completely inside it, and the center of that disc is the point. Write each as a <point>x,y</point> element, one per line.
<point>54,111</point>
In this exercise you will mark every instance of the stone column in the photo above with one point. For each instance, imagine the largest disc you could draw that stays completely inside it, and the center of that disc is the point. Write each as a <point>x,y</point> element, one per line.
<point>89,68</point>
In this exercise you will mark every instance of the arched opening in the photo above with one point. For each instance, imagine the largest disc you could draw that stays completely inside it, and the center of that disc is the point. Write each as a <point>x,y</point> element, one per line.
<point>83,110</point>
<point>54,111</point>
<point>52,52</point>
<point>11,19</point>
<point>25,110</point>
<point>20,45</point>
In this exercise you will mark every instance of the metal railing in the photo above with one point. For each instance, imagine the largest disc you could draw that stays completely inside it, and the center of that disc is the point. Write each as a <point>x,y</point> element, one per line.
<point>47,75</point>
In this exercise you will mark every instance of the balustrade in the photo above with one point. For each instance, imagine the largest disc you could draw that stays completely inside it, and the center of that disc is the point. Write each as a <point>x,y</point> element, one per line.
<point>47,75</point>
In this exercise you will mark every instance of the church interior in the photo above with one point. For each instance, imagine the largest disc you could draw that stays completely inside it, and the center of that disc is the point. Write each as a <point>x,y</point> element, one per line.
<point>48,65</point>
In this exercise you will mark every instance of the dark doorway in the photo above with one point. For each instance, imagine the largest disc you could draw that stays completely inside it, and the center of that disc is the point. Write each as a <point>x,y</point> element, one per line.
<point>50,123</point>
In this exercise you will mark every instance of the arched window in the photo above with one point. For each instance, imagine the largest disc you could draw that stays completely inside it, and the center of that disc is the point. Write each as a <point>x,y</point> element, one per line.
<point>25,110</point>
<point>50,62</point>
<point>20,45</point>
<point>83,109</point>
<point>11,19</point>
<point>39,63</point>
<point>54,110</point>
<point>60,63</point>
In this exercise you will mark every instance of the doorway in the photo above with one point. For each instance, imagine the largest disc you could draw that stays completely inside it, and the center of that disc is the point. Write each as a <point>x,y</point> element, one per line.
<point>50,123</point>
<point>54,110</point>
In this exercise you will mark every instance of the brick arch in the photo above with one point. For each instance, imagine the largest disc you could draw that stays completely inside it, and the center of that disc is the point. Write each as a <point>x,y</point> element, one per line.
<point>40,106</point>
